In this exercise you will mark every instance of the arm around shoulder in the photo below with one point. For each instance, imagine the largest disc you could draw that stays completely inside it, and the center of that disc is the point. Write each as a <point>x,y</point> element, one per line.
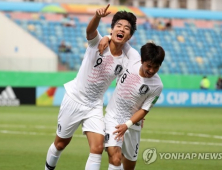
<point>131,52</point>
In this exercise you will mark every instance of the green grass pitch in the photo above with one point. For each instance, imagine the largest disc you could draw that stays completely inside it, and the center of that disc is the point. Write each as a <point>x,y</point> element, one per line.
<point>26,132</point>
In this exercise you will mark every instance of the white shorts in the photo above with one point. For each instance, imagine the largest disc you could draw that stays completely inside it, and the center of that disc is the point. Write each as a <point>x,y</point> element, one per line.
<point>130,143</point>
<point>72,114</point>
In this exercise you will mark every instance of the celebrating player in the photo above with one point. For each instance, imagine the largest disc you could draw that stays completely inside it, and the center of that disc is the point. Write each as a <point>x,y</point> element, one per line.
<point>136,92</point>
<point>83,100</point>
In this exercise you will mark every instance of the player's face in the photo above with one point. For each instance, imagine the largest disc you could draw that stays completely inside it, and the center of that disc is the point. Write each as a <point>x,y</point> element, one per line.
<point>121,31</point>
<point>148,69</point>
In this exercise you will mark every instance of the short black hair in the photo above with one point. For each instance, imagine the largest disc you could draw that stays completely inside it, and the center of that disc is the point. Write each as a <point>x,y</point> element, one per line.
<point>152,52</point>
<point>130,17</point>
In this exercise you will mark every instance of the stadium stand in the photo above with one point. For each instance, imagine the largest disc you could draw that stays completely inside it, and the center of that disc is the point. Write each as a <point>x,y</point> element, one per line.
<point>192,46</point>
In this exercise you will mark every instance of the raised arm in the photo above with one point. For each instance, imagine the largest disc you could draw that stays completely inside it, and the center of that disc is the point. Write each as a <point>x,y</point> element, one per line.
<point>91,31</point>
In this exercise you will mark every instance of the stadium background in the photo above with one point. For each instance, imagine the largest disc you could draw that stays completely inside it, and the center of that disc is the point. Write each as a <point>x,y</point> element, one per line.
<point>33,71</point>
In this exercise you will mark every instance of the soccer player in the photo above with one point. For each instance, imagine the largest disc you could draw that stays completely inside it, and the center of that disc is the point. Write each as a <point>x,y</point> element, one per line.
<point>136,92</point>
<point>83,100</point>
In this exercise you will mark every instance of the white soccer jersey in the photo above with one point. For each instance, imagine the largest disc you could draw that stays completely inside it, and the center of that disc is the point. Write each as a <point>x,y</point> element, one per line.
<point>133,93</point>
<point>95,75</point>
<point>130,52</point>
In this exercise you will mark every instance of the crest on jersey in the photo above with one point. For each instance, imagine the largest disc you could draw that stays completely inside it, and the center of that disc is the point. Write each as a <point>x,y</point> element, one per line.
<point>144,89</point>
<point>118,69</point>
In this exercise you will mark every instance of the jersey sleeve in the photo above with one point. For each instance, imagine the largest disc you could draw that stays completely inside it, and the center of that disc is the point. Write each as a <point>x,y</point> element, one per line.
<point>130,52</point>
<point>95,41</point>
<point>152,99</point>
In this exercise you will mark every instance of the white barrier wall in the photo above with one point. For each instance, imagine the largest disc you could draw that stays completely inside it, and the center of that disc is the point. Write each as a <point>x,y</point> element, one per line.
<point>20,51</point>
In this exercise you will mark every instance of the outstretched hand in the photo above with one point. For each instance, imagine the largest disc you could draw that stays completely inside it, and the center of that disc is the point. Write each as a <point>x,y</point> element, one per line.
<point>102,12</point>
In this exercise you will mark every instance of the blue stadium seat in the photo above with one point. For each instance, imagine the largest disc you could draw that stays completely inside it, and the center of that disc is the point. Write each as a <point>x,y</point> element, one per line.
<point>180,57</point>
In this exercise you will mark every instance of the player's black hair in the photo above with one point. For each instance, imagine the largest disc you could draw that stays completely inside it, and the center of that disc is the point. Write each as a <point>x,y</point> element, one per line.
<point>130,17</point>
<point>152,52</point>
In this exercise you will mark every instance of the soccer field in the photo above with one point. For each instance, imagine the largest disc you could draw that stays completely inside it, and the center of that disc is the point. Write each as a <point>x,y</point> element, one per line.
<point>26,132</point>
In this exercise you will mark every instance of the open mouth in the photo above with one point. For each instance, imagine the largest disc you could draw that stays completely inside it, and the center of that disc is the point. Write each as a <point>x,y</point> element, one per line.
<point>149,74</point>
<point>120,36</point>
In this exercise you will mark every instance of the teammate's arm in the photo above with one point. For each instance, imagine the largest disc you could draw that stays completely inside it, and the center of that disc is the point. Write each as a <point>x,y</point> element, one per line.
<point>131,53</point>
<point>91,31</point>
<point>103,44</point>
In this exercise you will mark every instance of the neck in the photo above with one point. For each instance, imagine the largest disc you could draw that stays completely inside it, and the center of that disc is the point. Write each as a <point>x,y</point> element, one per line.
<point>115,49</point>
<point>141,73</point>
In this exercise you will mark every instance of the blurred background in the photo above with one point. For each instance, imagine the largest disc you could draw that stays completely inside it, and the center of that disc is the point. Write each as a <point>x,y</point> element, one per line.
<point>42,44</point>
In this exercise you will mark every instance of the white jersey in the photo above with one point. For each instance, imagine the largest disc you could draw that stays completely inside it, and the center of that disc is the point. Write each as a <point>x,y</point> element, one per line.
<point>95,75</point>
<point>130,52</point>
<point>133,93</point>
